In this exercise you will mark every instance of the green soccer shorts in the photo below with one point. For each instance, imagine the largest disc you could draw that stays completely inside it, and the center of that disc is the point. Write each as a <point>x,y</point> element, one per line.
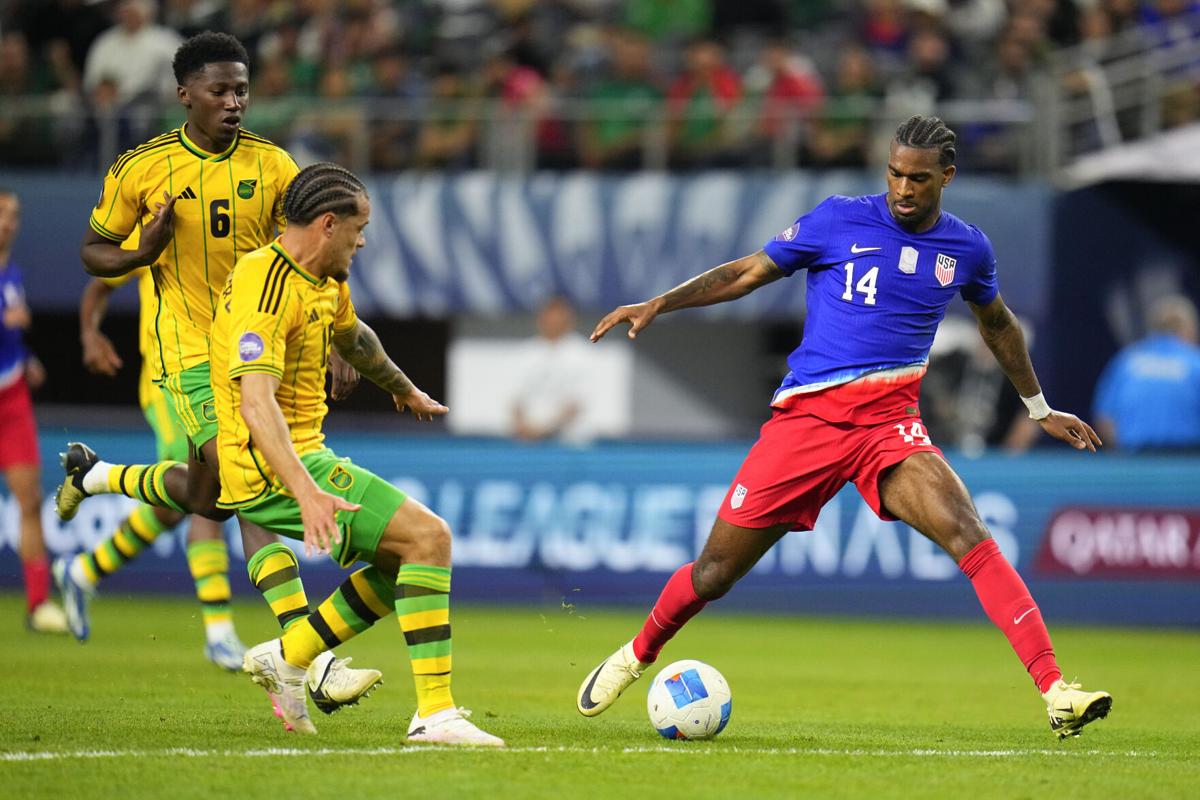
<point>191,394</point>
<point>361,530</point>
<point>170,439</point>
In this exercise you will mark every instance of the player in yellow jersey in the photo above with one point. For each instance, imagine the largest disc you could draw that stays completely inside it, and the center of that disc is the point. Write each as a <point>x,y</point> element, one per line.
<point>282,309</point>
<point>208,559</point>
<point>187,204</point>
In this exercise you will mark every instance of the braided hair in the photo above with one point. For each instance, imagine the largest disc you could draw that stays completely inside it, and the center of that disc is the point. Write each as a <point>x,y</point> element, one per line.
<point>206,48</point>
<point>321,188</point>
<point>928,132</point>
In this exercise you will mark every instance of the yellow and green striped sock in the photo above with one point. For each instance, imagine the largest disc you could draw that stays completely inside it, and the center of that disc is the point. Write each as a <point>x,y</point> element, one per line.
<point>423,608</point>
<point>209,562</point>
<point>275,572</point>
<point>362,600</point>
<point>145,482</point>
<point>136,531</point>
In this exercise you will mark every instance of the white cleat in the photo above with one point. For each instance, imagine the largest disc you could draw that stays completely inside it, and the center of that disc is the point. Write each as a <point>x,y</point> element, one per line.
<point>1070,708</point>
<point>227,652</point>
<point>283,681</point>
<point>606,682</point>
<point>333,684</point>
<point>450,726</point>
<point>47,617</point>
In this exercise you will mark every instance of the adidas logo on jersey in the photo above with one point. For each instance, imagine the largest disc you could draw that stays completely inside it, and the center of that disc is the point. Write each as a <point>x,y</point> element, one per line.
<point>312,315</point>
<point>187,194</point>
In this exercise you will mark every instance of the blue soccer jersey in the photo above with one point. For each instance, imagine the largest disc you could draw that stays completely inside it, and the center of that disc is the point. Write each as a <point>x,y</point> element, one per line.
<point>13,352</point>
<point>876,292</point>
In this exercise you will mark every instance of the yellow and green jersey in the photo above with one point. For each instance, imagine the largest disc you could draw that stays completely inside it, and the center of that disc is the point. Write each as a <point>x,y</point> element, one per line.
<point>227,205</point>
<point>272,317</point>
<point>147,341</point>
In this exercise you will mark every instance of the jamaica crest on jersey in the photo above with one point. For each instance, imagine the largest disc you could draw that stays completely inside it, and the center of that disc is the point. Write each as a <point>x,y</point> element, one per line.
<point>944,269</point>
<point>245,189</point>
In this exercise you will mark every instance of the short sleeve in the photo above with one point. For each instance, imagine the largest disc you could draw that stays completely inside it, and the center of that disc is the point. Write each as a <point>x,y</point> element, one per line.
<point>258,326</point>
<point>982,287</point>
<point>801,245</point>
<point>286,171</point>
<point>119,207</point>
<point>345,317</point>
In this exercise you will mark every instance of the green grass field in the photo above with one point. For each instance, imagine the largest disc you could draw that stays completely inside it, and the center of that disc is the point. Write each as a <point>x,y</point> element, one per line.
<point>822,708</point>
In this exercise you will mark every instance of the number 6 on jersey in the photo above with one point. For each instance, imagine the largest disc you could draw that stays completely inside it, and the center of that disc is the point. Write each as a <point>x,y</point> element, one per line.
<point>865,285</point>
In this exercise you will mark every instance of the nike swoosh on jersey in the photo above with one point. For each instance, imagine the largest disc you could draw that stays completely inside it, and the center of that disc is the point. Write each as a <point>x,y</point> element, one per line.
<point>854,248</point>
<point>1017,620</point>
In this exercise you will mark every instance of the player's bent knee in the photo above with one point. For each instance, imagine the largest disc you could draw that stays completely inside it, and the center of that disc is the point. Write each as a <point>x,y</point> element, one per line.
<point>712,580</point>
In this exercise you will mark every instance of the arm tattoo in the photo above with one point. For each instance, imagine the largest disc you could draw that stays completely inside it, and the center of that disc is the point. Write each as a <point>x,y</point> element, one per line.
<point>361,349</point>
<point>1002,333</point>
<point>700,289</point>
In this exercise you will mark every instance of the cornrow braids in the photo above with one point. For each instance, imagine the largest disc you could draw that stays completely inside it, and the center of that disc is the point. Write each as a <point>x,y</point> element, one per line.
<point>206,48</point>
<point>928,132</point>
<point>321,188</point>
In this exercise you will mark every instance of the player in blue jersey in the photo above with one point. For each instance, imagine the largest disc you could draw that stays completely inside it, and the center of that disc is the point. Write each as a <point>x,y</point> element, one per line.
<point>19,372</point>
<point>881,271</point>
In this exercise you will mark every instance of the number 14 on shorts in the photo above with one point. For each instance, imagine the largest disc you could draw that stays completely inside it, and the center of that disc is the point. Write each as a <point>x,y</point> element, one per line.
<point>913,435</point>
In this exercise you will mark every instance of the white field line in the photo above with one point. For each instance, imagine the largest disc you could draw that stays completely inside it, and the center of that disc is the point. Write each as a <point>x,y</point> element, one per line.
<point>691,749</point>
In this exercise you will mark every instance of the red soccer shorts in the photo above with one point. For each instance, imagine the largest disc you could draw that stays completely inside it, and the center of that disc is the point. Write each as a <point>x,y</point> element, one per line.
<point>18,430</point>
<point>801,461</point>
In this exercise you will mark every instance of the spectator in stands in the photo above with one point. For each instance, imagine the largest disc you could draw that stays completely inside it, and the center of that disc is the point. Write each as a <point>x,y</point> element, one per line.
<point>552,397</point>
<point>787,90</point>
<point>26,133</point>
<point>883,29</point>
<point>449,130</point>
<point>62,32</point>
<point>702,106</point>
<point>396,91</point>
<point>283,44</point>
<point>276,104</point>
<point>840,135</point>
<point>623,104</point>
<point>1148,397</point>
<point>669,20</point>
<point>135,55</point>
<point>928,78</point>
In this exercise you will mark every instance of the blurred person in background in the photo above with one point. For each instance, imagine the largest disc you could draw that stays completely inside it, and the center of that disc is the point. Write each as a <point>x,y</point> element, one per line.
<point>396,91</point>
<point>840,133</point>
<point>1148,397</point>
<point>623,104</point>
<point>664,21</point>
<point>552,394</point>
<point>448,136</point>
<point>702,105</point>
<point>135,55</point>
<point>20,371</point>
<point>788,91</point>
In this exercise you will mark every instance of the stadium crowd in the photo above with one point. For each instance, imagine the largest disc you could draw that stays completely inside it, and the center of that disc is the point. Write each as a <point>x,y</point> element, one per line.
<point>397,84</point>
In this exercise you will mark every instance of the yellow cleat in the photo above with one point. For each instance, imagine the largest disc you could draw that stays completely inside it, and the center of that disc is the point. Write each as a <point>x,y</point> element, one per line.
<point>1070,708</point>
<point>76,462</point>
<point>606,682</point>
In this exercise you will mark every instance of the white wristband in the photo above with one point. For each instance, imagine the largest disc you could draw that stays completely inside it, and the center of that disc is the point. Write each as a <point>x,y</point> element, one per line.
<point>1037,405</point>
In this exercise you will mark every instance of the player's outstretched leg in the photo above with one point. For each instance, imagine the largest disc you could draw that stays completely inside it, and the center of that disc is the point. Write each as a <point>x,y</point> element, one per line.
<point>78,577</point>
<point>924,492</point>
<point>728,554</point>
<point>86,475</point>
<point>361,601</point>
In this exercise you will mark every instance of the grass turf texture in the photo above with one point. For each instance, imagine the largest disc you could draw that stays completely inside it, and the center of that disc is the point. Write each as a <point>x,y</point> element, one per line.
<point>821,708</point>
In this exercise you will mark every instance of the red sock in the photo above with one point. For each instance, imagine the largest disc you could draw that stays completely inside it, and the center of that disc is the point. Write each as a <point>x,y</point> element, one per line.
<point>37,582</point>
<point>676,605</point>
<point>1009,605</point>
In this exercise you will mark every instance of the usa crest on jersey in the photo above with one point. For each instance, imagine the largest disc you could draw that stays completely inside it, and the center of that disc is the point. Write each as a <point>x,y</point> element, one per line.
<point>944,270</point>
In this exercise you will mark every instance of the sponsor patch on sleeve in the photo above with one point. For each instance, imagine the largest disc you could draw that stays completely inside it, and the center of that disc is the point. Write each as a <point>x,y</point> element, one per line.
<point>790,233</point>
<point>250,346</point>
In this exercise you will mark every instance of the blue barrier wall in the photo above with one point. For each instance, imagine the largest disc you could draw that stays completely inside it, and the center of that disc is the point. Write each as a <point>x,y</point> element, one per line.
<point>606,525</point>
<point>486,244</point>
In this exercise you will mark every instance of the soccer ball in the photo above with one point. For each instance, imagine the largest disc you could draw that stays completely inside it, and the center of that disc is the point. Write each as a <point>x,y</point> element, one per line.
<point>689,700</point>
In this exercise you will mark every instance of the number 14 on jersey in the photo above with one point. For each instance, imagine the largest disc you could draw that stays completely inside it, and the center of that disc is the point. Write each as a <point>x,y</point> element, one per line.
<point>865,285</point>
